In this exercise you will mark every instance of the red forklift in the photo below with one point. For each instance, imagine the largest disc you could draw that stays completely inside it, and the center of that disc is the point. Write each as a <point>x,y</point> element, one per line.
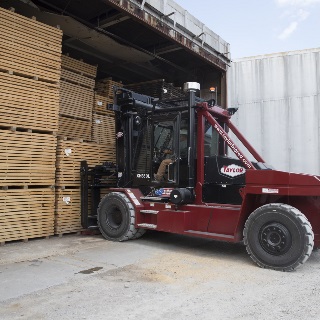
<point>209,189</point>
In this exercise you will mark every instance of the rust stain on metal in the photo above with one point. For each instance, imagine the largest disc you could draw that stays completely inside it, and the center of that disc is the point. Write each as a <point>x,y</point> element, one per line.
<point>163,28</point>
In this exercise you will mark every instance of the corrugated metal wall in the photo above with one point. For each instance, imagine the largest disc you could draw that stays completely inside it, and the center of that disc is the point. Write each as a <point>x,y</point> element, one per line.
<point>278,96</point>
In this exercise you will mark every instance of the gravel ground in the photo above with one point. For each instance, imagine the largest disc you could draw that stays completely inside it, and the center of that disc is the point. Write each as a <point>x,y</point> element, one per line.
<point>160,276</point>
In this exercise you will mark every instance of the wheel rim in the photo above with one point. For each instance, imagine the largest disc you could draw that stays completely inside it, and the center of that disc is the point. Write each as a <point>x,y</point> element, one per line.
<point>275,238</point>
<point>114,217</point>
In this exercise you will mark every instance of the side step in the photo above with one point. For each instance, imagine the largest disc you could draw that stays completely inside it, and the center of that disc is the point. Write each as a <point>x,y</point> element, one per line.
<point>201,233</point>
<point>149,211</point>
<point>147,225</point>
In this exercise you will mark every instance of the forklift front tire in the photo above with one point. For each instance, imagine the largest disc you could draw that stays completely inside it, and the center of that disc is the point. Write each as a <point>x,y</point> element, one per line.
<point>278,236</point>
<point>116,218</point>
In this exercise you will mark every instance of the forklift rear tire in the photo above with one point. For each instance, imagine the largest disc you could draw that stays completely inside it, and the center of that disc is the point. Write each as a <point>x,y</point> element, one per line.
<point>116,218</point>
<point>278,236</point>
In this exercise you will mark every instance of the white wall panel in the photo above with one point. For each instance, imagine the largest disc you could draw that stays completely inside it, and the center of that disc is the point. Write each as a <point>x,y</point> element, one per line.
<point>279,99</point>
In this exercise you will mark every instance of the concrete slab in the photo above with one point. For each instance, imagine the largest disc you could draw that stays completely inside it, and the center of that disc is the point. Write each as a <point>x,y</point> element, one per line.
<point>160,276</point>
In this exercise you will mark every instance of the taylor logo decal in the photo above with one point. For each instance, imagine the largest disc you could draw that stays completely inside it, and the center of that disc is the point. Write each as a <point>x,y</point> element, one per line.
<point>232,170</point>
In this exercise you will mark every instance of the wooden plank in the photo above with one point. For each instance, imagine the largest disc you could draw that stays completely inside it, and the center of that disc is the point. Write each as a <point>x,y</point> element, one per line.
<point>68,211</point>
<point>77,79</point>
<point>103,129</point>
<point>35,33</point>
<point>31,24</point>
<point>26,158</point>
<point>34,29</point>
<point>46,58</point>
<point>78,66</point>
<point>104,87</point>
<point>100,105</point>
<point>76,101</point>
<point>21,63</point>
<point>71,153</point>
<point>21,37</point>
<point>28,103</point>
<point>74,128</point>
<point>26,213</point>
<point>29,120</point>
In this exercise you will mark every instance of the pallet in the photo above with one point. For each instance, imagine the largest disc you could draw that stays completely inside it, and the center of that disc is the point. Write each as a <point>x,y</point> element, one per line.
<point>104,87</point>
<point>71,153</point>
<point>76,78</point>
<point>26,213</point>
<point>100,105</point>
<point>75,101</point>
<point>74,128</point>
<point>103,129</point>
<point>28,103</point>
<point>26,158</point>
<point>78,66</point>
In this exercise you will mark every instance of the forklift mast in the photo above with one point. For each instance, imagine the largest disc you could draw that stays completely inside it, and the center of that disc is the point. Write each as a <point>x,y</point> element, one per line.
<point>145,127</point>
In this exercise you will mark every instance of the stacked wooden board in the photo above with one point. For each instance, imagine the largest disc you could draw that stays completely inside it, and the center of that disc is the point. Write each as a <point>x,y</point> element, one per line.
<point>80,139</point>
<point>28,103</point>
<point>70,153</point>
<point>76,98</point>
<point>103,122</point>
<point>30,67</point>
<point>157,88</point>
<point>104,87</point>
<point>26,213</point>
<point>100,105</point>
<point>103,129</point>
<point>29,48</point>
<point>27,159</point>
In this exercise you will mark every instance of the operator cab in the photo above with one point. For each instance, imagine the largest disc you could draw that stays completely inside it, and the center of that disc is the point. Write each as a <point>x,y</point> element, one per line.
<point>147,134</point>
<point>157,147</point>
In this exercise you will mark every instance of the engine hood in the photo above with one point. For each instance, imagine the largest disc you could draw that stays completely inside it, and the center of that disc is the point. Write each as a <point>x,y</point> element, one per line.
<point>280,182</point>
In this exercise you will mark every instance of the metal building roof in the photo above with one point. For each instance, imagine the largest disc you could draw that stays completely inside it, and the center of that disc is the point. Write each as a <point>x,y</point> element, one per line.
<point>134,40</point>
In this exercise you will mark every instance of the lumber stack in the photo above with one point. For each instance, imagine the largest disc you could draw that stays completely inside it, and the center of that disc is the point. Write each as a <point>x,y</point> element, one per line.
<point>29,48</point>
<point>28,104</point>
<point>27,159</point>
<point>26,213</point>
<point>104,87</point>
<point>70,153</point>
<point>30,67</point>
<point>103,129</point>
<point>76,98</point>
<point>100,105</point>
<point>157,88</point>
<point>103,121</point>
<point>75,127</point>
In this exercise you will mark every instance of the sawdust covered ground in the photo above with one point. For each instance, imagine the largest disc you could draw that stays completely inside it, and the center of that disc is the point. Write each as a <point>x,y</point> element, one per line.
<point>160,276</point>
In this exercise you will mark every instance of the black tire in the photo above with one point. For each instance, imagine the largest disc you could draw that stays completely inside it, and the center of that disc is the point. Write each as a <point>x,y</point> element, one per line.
<point>116,218</point>
<point>278,236</point>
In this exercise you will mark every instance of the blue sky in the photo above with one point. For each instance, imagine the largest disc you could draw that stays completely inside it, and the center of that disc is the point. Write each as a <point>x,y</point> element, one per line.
<point>254,27</point>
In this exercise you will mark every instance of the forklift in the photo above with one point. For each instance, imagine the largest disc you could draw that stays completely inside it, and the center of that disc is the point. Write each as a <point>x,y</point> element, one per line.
<point>209,187</point>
